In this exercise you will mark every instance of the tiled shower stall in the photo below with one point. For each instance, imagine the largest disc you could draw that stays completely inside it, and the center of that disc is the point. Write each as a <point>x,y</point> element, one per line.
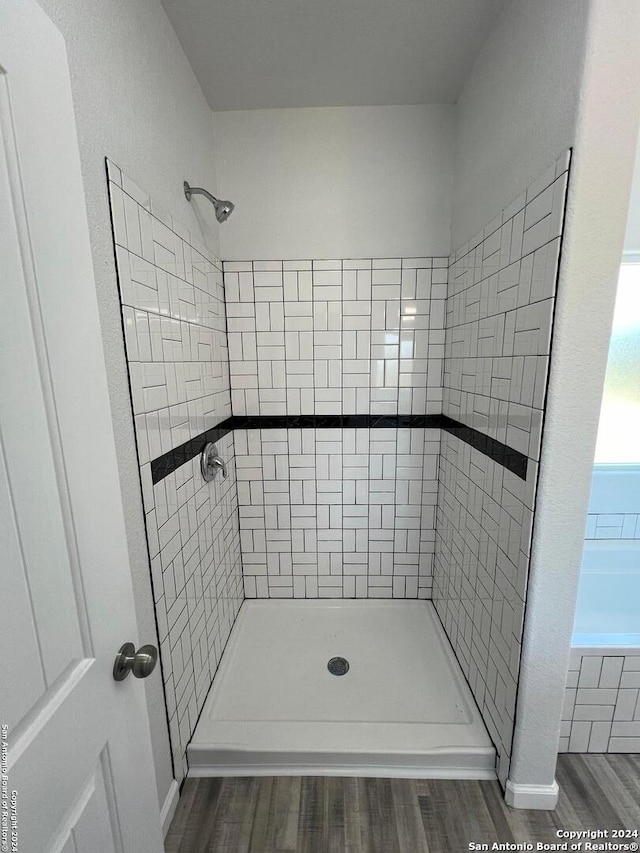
<point>342,508</point>
<point>381,419</point>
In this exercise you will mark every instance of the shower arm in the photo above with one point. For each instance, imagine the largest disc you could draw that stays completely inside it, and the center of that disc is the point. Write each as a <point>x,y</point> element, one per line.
<point>189,191</point>
<point>223,209</point>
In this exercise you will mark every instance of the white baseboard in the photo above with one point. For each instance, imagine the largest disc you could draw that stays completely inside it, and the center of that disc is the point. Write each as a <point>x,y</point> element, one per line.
<point>169,808</point>
<point>531,796</point>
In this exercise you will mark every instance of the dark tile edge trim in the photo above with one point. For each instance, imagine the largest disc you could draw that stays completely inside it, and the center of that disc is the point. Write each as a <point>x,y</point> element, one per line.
<point>506,456</point>
<point>161,659</point>
<point>511,459</point>
<point>166,464</point>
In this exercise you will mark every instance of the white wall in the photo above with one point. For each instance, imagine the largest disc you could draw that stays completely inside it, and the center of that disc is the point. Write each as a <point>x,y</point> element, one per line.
<point>632,238</point>
<point>518,109</point>
<point>529,97</point>
<point>344,182</point>
<point>137,101</point>
<point>605,141</point>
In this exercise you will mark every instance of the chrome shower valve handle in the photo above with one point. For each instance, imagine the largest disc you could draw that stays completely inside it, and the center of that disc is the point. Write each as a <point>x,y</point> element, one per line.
<point>218,462</point>
<point>211,462</point>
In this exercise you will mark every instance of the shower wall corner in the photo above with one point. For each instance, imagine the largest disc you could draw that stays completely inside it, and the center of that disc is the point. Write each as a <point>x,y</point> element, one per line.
<point>174,326</point>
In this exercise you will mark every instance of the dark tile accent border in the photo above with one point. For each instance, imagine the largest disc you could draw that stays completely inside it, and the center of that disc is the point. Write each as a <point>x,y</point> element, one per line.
<point>515,461</point>
<point>335,421</point>
<point>168,462</point>
<point>509,458</point>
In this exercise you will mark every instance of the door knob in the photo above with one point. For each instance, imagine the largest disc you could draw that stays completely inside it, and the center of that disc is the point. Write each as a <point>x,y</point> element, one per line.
<point>141,662</point>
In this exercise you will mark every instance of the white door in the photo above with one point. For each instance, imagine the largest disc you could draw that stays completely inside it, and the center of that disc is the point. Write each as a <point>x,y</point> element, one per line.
<point>79,749</point>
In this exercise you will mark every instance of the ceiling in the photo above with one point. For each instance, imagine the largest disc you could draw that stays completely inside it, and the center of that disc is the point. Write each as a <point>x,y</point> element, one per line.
<point>262,54</point>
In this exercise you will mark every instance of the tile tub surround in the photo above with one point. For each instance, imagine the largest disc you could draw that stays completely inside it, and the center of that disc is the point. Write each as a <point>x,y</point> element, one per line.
<point>337,513</point>
<point>168,462</point>
<point>336,336</point>
<point>348,510</point>
<point>172,296</point>
<point>194,544</point>
<point>499,316</point>
<point>173,315</point>
<point>602,701</point>
<point>483,529</point>
<point>288,482</point>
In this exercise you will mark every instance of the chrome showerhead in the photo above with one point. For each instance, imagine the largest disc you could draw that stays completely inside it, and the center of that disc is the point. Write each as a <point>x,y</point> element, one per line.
<point>223,209</point>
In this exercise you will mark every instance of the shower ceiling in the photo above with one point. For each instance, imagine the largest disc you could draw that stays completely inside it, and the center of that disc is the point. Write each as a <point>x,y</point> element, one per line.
<point>261,54</point>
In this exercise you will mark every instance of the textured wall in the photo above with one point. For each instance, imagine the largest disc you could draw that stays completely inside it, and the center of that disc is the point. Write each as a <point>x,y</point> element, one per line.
<point>336,182</point>
<point>518,108</point>
<point>499,317</point>
<point>173,315</point>
<point>137,101</point>
<point>601,171</point>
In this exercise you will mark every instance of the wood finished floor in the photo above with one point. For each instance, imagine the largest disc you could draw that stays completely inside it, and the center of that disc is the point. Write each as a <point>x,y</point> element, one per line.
<point>349,815</point>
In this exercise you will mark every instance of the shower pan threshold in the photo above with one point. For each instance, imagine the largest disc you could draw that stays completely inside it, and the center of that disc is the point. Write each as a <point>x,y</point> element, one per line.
<point>402,709</point>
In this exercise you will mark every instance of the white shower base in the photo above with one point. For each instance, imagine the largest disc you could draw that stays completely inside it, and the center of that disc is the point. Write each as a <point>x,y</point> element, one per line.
<point>403,709</point>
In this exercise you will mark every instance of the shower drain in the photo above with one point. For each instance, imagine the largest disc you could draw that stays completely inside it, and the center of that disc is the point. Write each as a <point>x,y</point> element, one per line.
<point>338,666</point>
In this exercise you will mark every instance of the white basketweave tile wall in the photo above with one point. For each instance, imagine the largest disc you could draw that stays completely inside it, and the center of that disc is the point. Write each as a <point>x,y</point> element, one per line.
<point>498,330</point>
<point>336,336</point>
<point>172,299</point>
<point>602,701</point>
<point>337,512</point>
